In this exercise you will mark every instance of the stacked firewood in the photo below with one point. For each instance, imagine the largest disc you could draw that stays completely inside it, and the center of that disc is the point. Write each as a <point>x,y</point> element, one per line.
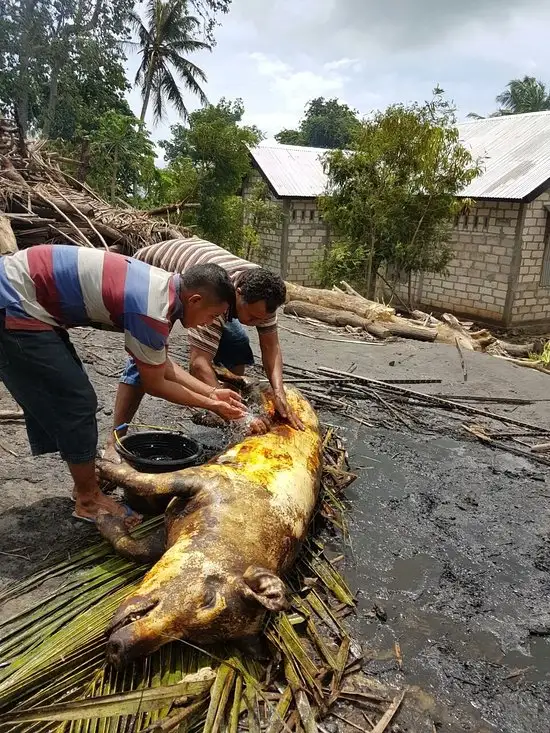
<point>43,204</point>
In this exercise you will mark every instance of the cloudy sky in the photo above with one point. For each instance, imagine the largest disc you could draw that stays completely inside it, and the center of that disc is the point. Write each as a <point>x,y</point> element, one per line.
<point>278,54</point>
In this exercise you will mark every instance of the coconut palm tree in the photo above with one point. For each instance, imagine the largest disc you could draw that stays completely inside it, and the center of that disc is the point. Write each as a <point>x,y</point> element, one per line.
<point>166,38</point>
<point>520,96</point>
<point>524,95</point>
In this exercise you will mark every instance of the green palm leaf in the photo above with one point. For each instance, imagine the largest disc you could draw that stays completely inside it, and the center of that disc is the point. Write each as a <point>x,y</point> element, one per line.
<point>57,678</point>
<point>165,39</point>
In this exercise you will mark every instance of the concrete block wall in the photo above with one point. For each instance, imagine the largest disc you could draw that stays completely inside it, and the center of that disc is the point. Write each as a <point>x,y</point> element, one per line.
<point>307,237</point>
<point>477,281</point>
<point>271,249</point>
<point>270,241</point>
<point>531,297</point>
<point>478,276</point>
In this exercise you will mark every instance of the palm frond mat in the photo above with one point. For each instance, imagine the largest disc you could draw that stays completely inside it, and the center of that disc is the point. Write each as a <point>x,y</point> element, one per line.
<point>53,675</point>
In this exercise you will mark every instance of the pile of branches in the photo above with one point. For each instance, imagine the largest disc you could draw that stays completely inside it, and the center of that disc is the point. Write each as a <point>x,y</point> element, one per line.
<point>42,204</point>
<point>392,404</point>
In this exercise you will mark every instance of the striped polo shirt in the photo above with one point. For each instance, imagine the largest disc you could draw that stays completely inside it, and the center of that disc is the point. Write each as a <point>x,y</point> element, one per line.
<point>177,255</point>
<point>60,286</point>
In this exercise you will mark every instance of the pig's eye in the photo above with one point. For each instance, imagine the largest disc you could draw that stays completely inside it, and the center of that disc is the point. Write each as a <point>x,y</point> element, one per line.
<point>211,588</point>
<point>209,600</point>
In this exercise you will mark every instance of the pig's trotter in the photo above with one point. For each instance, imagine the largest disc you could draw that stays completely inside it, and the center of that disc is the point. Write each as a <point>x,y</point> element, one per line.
<point>244,384</point>
<point>145,550</point>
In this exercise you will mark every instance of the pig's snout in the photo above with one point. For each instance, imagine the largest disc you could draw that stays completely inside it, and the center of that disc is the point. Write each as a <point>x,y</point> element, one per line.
<point>117,651</point>
<point>125,645</point>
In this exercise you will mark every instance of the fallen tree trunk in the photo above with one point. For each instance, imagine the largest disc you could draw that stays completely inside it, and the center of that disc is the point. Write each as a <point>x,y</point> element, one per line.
<point>336,318</point>
<point>522,350</point>
<point>451,331</point>
<point>406,329</point>
<point>169,208</point>
<point>11,414</point>
<point>395,326</point>
<point>367,309</point>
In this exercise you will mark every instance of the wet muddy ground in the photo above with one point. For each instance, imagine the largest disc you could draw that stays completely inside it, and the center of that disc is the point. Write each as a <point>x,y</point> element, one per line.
<point>450,540</point>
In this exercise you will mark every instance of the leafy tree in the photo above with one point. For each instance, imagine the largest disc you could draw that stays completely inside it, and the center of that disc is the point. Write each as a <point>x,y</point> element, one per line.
<point>393,199</point>
<point>216,143</point>
<point>122,156</point>
<point>260,215</point>
<point>61,62</point>
<point>85,49</point>
<point>290,137</point>
<point>174,184</point>
<point>326,124</point>
<point>23,41</point>
<point>520,96</point>
<point>165,42</point>
<point>210,155</point>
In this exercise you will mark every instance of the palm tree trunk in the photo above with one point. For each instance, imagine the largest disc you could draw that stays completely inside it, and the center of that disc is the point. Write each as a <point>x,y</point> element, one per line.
<point>146,97</point>
<point>148,86</point>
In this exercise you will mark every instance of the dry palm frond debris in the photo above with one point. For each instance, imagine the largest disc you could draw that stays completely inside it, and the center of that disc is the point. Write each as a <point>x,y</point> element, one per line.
<point>43,204</point>
<point>54,677</point>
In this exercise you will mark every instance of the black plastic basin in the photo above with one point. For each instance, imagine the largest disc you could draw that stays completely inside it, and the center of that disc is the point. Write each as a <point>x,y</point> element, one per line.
<point>159,452</point>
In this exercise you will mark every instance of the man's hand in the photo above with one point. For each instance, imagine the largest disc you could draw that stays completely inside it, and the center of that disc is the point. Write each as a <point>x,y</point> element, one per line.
<point>285,411</point>
<point>227,404</point>
<point>259,426</point>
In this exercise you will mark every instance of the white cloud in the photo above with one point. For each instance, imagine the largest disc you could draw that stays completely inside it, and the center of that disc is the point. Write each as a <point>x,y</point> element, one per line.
<point>345,63</point>
<point>293,86</point>
<point>278,55</point>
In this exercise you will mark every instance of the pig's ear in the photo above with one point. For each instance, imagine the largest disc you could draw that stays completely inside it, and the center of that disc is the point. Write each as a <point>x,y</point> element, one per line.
<point>265,588</point>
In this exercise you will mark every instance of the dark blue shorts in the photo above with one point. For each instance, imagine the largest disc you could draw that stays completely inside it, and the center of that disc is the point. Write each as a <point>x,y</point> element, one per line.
<point>233,350</point>
<point>43,373</point>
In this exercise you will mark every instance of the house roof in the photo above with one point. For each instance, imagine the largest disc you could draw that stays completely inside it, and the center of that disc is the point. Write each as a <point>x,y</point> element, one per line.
<point>515,152</point>
<point>292,171</point>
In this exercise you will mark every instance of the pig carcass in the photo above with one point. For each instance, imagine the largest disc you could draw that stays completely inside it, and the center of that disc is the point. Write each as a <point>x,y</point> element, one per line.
<point>232,529</point>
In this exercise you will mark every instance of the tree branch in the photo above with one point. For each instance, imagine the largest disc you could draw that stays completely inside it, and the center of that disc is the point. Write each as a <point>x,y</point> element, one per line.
<point>168,208</point>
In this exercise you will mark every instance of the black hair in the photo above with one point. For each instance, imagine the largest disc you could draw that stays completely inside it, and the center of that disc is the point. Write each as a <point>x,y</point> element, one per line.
<point>261,284</point>
<point>214,282</point>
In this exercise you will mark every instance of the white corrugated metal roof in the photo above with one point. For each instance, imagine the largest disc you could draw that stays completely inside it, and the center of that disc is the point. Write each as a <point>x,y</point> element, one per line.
<point>293,171</point>
<point>515,151</point>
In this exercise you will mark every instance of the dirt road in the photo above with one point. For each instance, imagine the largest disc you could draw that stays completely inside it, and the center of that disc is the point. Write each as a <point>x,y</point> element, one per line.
<point>449,539</point>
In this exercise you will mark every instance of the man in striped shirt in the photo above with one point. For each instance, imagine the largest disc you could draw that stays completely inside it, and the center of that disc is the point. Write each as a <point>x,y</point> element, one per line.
<point>259,293</point>
<point>45,290</point>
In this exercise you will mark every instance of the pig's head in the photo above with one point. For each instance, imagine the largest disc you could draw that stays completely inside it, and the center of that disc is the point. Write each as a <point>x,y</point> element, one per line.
<point>202,609</point>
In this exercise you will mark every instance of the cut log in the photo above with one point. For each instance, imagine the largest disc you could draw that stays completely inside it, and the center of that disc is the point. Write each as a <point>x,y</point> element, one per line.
<point>407,329</point>
<point>351,291</point>
<point>329,299</point>
<point>451,331</point>
<point>11,414</point>
<point>522,350</point>
<point>426,319</point>
<point>541,448</point>
<point>336,318</point>
<point>381,329</point>
<point>8,245</point>
<point>539,366</point>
